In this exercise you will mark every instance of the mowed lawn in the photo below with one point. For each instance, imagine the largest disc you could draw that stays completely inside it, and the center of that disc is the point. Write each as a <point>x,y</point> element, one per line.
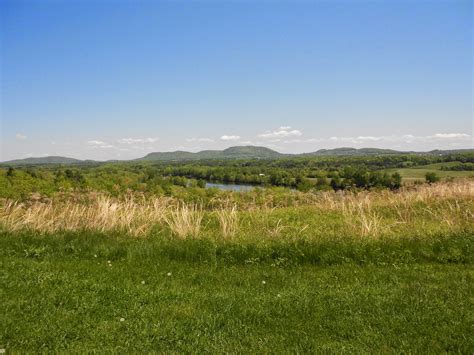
<point>82,297</point>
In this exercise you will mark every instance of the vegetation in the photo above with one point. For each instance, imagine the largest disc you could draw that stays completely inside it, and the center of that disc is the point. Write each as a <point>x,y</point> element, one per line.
<point>250,152</point>
<point>186,179</point>
<point>87,292</point>
<point>140,256</point>
<point>431,177</point>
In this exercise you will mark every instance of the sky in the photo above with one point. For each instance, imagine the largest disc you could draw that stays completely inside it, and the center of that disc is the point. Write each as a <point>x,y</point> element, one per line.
<point>111,79</point>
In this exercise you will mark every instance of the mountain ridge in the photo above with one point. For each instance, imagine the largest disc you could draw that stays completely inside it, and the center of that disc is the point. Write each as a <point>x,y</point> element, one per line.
<point>234,152</point>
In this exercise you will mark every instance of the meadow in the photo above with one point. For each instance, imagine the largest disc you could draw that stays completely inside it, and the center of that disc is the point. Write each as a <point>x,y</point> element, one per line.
<point>198,270</point>
<point>443,170</point>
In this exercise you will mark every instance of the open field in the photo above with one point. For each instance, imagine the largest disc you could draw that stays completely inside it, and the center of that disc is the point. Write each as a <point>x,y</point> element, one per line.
<point>236,177</point>
<point>246,272</point>
<point>57,296</point>
<point>418,173</point>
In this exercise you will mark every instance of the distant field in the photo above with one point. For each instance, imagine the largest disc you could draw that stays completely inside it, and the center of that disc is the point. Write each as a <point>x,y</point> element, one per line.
<point>419,172</point>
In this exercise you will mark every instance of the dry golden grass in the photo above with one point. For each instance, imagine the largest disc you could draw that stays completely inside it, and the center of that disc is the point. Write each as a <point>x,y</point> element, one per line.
<point>103,213</point>
<point>185,220</point>
<point>228,221</point>
<point>411,205</point>
<point>366,214</point>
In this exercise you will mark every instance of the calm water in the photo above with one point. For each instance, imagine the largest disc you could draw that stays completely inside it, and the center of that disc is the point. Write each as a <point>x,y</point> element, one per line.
<point>230,187</point>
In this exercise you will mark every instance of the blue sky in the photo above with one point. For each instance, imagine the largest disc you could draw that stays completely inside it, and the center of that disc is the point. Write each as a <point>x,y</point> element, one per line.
<point>118,79</point>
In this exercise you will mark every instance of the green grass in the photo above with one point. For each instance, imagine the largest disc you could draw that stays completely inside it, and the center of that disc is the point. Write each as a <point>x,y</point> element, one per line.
<point>393,295</point>
<point>419,172</point>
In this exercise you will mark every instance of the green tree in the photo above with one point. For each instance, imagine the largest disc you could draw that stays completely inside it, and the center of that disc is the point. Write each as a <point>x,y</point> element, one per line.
<point>431,177</point>
<point>396,180</point>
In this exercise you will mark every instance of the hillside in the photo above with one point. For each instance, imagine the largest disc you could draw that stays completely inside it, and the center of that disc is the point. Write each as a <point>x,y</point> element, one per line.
<point>43,160</point>
<point>251,152</point>
<point>237,152</point>
<point>347,151</point>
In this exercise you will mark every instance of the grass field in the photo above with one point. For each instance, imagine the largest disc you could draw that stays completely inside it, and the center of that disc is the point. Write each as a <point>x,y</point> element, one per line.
<point>418,173</point>
<point>193,297</point>
<point>368,272</point>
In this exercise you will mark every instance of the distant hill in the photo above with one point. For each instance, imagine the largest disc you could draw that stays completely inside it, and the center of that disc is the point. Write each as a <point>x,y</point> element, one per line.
<point>452,151</point>
<point>43,160</point>
<point>250,152</point>
<point>346,151</point>
<point>238,152</point>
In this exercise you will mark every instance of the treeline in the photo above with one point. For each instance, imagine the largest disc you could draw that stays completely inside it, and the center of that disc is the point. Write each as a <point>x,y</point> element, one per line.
<point>178,178</point>
<point>458,167</point>
<point>300,179</point>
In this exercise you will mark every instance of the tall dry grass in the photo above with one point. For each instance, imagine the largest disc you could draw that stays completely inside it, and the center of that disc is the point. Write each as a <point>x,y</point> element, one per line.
<point>103,213</point>
<point>442,202</point>
<point>185,220</point>
<point>366,213</point>
<point>228,221</point>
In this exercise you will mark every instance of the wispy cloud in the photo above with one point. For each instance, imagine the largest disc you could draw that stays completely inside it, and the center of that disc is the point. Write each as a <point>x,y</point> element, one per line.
<point>136,140</point>
<point>282,132</point>
<point>20,137</point>
<point>450,135</point>
<point>406,138</point>
<point>204,140</point>
<point>230,138</point>
<point>99,144</point>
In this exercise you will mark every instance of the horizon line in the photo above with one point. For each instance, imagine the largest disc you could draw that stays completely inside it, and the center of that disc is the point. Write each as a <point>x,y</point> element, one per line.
<point>233,146</point>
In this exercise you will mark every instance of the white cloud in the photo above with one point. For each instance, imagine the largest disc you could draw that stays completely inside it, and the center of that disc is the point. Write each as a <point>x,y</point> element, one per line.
<point>206,140</point>
<point>20,136</point>
<point>369,138</point>
<point>99,144</point>
<point>407,138</point>
<point>450,135</point>
<point>94,142</point>
<point>282,132</point>
<point>137,140</point>
<point>230,138</point>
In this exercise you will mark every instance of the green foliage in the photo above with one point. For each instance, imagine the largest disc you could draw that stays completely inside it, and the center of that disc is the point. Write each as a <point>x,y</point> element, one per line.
<point>171,178</point>
<point>431,177</point>
<point>458,167</point>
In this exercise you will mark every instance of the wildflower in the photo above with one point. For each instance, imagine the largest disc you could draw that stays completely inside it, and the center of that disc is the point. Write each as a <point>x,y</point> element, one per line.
<point>122,319</point>
<point>95,255</point>
<point>264,282</point>
<point>168,274</point>
<point>109,261</point>
<point>143,282</point>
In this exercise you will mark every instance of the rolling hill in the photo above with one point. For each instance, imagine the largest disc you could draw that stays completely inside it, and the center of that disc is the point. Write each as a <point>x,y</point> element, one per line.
<point>347,151</point>
<point>237,152</point>
<point>44,160</point>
